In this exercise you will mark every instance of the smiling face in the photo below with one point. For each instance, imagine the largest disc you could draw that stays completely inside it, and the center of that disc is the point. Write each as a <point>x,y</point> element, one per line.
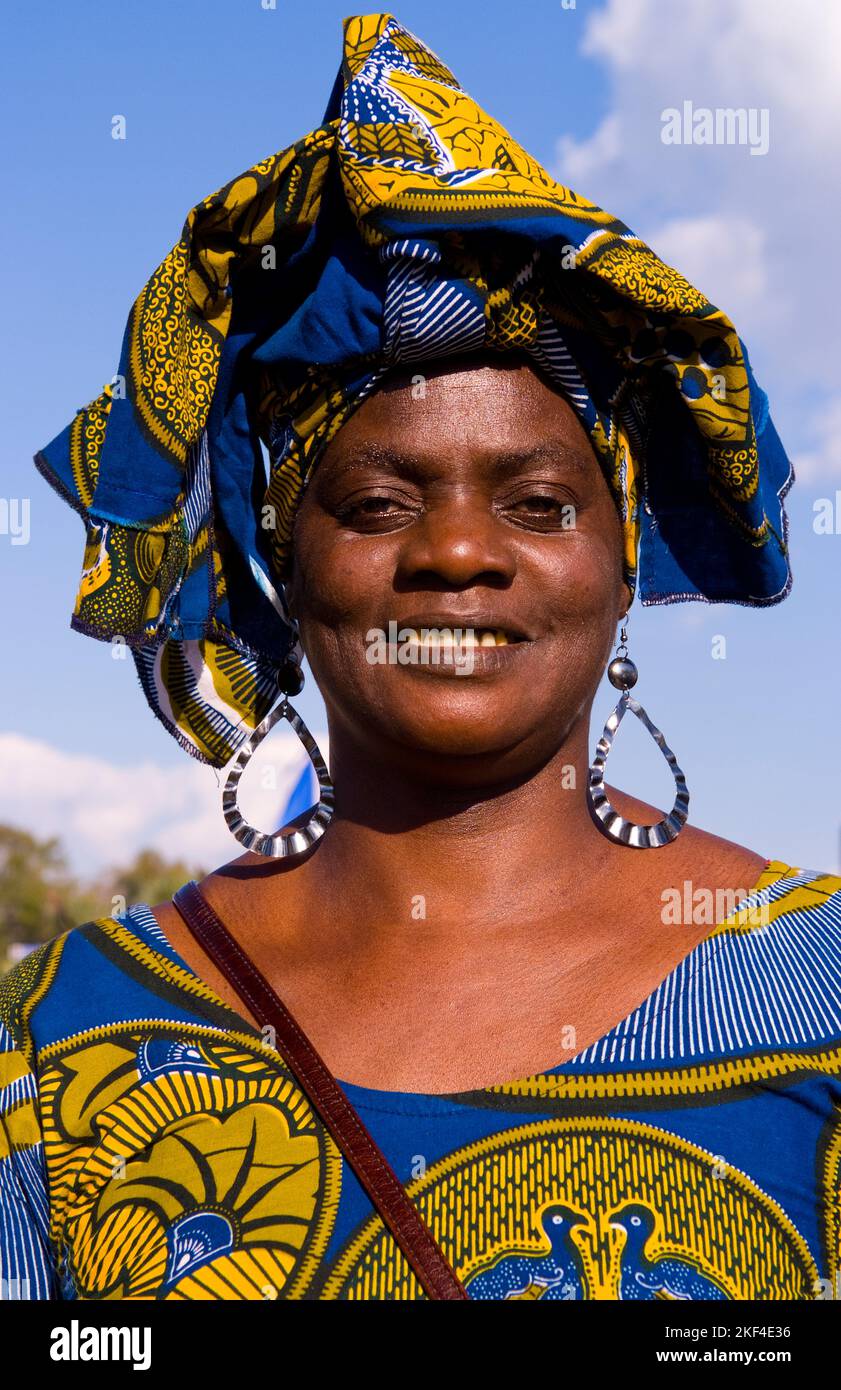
<point>474,502</point>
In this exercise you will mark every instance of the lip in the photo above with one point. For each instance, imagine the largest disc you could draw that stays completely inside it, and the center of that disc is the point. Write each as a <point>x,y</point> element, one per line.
<point>496,622</point>
<point>482,661</point>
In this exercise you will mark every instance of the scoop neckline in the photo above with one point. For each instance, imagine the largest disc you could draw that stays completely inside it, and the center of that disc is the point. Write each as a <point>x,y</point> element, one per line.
<point>425,1102</point>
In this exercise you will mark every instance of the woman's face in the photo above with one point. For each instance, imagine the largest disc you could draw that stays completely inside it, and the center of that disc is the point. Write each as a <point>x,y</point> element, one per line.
<point>468,498</point>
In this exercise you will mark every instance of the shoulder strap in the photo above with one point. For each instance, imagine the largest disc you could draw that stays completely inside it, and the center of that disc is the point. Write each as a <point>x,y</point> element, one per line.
<point>368,1162</point>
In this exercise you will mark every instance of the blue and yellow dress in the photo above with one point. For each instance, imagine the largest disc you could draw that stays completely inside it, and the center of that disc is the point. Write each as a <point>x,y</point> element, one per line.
<point>153,1146</point>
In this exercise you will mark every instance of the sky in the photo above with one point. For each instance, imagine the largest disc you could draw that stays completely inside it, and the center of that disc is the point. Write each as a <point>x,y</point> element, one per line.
<point>207,89</point>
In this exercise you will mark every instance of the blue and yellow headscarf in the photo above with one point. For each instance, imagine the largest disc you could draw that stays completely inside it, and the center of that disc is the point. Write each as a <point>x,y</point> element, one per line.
<point>407,226</point>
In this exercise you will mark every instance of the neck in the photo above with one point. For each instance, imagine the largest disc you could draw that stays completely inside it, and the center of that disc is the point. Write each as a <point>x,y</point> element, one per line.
<point>458,858</point>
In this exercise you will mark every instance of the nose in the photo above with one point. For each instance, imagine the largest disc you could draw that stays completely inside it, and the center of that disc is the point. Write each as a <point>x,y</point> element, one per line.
<point>457,543</point>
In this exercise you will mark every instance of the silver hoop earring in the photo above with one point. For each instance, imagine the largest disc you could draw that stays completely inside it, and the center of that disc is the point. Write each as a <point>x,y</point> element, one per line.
<point>623,674</point>
<point>290,844</point>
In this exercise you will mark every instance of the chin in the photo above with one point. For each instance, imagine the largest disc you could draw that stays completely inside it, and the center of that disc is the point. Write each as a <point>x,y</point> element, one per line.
<point>490,726</point>
<point>478,737</point>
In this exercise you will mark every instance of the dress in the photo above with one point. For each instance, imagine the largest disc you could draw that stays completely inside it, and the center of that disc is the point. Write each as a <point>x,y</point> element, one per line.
<point>154,1146</point>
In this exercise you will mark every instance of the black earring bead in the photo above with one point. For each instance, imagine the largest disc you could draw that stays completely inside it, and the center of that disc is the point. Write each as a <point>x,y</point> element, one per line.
<point>622,673</point>
<point>290,678</point>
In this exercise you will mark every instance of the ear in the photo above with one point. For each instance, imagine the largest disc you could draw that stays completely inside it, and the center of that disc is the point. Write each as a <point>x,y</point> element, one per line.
<point>625,601</point>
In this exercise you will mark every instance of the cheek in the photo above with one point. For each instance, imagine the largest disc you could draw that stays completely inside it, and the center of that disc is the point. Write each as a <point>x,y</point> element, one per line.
<point>579,580</point>
<point>579,584</point>
<point>336,597</point>
<point>321,588</point>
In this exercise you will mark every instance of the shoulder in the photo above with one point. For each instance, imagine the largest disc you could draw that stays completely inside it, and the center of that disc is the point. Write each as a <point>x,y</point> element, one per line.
<point>79,981</point>
<point>766,974</point>
<point>23,988</point>
<point>762,988</point>
<point>777,958</point>
<point>787,899</point>
<point>696,854</point>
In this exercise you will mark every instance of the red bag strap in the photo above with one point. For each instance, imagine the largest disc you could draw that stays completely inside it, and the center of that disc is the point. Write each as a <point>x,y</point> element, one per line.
<point>372,1168</point>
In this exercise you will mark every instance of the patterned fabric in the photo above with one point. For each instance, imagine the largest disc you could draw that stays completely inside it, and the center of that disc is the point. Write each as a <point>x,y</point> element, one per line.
<point>153,1144</point>
<point>408,226</point>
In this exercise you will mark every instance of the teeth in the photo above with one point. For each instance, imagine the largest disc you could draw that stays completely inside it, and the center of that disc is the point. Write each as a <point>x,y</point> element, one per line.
<point>470,639</point>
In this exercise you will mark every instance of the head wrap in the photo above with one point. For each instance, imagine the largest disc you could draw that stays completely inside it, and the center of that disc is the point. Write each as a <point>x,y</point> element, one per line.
<point>409,225</point>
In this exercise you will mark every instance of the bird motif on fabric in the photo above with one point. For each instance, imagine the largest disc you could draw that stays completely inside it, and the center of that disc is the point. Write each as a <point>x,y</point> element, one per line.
<point>158,1056</point>
<point>665,1277</point>
<point>535,1274</point>
<point>195,1239</point>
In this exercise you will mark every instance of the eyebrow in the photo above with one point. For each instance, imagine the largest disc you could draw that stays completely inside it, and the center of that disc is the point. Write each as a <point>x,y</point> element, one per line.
<point>386,459</point>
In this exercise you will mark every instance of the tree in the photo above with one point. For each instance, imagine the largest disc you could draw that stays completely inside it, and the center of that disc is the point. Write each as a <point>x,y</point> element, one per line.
<point>149,878</point>
<point>40,897</point>
<point>37,894</point>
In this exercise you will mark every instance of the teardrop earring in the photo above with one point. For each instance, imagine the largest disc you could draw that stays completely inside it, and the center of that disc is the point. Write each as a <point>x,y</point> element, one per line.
<point>290,844</point>
<point>623,674</point>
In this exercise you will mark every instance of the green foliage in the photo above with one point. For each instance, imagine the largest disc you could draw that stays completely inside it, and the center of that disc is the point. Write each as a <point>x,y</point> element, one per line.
<point>149,878</point>
<point>40,897</point>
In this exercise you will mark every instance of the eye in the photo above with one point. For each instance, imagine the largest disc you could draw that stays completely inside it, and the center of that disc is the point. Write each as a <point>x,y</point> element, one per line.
<point>375,511</point>
<point>636,1221</point>
<point>542,511</point>
<point>368,506</point>
<point>540,503</point>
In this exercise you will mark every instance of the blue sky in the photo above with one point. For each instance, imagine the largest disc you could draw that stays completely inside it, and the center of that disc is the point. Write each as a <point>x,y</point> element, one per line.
<point>206,90</point>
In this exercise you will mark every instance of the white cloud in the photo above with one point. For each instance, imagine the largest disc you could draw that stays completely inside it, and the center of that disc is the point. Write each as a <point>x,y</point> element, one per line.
<point>756,233</point>
<point>103,813</point>
<point>578,160</point>
<point>822,462</point>
<point>724,256</point>
<point>787,52</point>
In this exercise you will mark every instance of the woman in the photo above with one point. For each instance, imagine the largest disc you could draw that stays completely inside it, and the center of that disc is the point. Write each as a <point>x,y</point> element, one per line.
<point>491,414</point>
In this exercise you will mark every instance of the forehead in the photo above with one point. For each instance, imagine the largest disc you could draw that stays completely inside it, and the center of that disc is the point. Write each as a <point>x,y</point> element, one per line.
<point>473,407</point>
